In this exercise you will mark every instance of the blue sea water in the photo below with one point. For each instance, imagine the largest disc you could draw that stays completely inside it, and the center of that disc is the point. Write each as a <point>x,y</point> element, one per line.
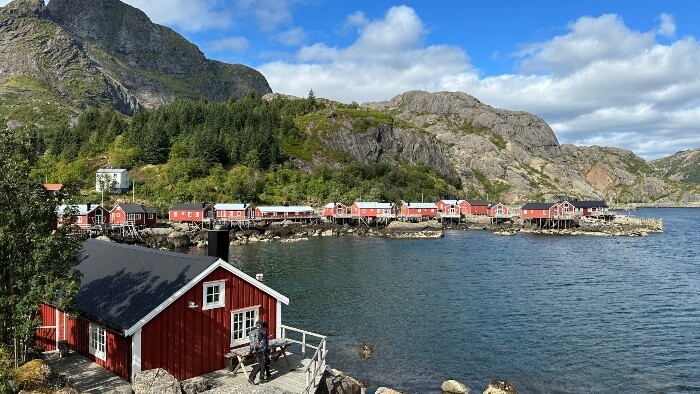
<point>550,314</point>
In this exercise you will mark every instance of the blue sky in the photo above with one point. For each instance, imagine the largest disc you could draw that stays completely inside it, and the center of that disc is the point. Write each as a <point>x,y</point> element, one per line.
<point>615,73</point>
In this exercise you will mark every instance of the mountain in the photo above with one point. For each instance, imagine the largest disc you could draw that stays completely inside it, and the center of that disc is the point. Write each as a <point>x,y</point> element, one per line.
<point>60,59</point>
<point>681,166</point>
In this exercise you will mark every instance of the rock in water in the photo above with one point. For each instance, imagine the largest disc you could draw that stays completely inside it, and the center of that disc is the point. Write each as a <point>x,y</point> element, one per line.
<point>500,387</point>
<point>454,387</point>
<point>337,382</point>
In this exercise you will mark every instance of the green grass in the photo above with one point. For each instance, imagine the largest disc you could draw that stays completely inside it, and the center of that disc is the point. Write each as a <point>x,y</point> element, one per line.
<point>495,138</point>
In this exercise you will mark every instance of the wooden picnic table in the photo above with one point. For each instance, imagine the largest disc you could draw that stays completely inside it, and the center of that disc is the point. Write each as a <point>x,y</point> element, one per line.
<point>277,347</point>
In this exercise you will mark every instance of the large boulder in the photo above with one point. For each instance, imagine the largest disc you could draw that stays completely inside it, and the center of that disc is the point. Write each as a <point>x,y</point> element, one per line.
<point>337,382</point>
<point>385,390</point>
<point>500,387</point>
<point>454,387</point>
<point>155,381</point>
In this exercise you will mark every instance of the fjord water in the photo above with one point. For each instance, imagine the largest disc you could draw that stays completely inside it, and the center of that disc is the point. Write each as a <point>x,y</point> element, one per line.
<point>550,314</point>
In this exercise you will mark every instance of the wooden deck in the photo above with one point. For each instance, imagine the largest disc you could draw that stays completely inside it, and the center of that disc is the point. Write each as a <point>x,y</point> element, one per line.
<point>289,378</point>
<point>85,375</point>
<point>89,377</point>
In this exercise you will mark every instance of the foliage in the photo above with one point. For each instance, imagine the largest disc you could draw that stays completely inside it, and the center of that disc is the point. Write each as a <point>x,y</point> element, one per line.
<point>37,260</point>
<point>492,136</point>
<point>492,189</point>
<point>5,370</point>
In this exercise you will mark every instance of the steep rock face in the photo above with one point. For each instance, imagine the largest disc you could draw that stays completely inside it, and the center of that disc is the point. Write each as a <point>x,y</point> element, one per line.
<point>59,59</point>
<point>516,152</point>
<point>388,144</point>
<point>153,62</point>
<point>681,166</point>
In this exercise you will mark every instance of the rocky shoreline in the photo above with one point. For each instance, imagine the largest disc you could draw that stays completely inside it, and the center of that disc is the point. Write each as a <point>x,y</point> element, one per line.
<point>178,236</point>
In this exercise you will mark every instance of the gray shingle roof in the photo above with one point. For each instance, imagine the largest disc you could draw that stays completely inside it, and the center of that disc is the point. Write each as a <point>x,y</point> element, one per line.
<point>122,284</point>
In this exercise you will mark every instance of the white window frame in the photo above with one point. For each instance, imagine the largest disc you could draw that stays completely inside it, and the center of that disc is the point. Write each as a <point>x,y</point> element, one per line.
<point>221,302</point>
<point>247,318</point>
<point>98,341</point>
<point>150,216</point>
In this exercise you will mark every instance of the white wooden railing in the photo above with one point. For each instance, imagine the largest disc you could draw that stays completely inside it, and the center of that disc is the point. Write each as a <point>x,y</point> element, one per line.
<point>318,361</point>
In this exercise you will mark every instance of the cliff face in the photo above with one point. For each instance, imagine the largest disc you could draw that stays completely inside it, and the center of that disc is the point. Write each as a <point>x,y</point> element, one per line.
<point>681,166</point>
<point>73,54</point>
<point>493,151</point>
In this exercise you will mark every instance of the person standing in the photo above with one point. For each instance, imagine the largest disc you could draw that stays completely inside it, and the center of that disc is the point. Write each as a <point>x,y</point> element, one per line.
<point>260,349</point>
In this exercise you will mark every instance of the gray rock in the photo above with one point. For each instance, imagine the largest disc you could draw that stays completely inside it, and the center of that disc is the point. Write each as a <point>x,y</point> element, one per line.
<point>196,386</point>
<point>155,381</point>
<point>337,382</point>
<point>500,387</point>
<point>454,387</point>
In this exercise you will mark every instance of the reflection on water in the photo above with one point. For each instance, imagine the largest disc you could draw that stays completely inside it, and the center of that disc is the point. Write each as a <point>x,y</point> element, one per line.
<point>549,314</point>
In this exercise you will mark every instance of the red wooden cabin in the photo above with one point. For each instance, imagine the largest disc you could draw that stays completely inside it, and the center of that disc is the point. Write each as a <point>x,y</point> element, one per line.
<point>366,209</point>
<point>539,210</point>
<point>234,212</point>
<point>140,308</point>
<point>133,214</point>
<point>419,210</point>
<point>191,213</point>
<point>87,215</point>
<point>283,212</point>
<point>450,209</point>
<point>475,207</point>
<point>592,208</point>
<point>336,210</point>
<point>499,211</point>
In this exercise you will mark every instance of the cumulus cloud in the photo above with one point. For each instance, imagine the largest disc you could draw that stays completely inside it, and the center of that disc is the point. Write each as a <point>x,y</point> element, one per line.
<point>188,15</point>
<point>291,37</point>
<point>599,83</point>
<point>237,44</point>
<point>270,14</point>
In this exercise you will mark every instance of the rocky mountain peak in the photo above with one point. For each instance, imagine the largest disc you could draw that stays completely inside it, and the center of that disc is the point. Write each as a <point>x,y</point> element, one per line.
<point>25,8</point>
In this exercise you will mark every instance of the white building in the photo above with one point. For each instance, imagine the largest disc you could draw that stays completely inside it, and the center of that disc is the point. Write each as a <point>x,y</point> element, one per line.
<point>115,180</point>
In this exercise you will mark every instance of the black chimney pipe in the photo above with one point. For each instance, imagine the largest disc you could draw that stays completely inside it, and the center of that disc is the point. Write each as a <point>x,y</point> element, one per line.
<point>218,244</point>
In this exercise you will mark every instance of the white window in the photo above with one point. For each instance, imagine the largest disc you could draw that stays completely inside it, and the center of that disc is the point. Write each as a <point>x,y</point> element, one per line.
<point>98,342</point>
<point>189,214</point>
<point>196,214</point>
<point>214,295</point>
<point>150,216</point>
<point>175,214</point>
<point>242,321</point>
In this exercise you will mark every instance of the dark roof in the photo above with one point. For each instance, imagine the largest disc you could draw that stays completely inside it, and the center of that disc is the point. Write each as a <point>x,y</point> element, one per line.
<point>131,208</point>
<point>589,204</point>
<point>122,284</point>
<point>538,205</point>
<point>150,210</point>
<point>477,202</point>
<point>191,207</point>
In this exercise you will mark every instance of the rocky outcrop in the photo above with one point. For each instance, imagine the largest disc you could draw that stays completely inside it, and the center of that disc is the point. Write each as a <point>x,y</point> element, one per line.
<point>155,381</point>
<point>454,387</point>
<point>427,229</point>
<point>510,155</point>
<point>338,382</point>
<point>682,166</point>
<point>500,387</point>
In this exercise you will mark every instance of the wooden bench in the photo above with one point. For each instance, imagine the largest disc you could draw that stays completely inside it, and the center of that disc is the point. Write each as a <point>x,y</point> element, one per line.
<point>277,348</point>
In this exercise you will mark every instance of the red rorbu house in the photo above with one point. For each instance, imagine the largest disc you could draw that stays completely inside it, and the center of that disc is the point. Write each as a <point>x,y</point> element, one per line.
<point>363,210</point>
<point>191,213</point>
<point>475,207</point>
<point>299,212</point>
<point>498,213</point>
<point>87,216</point>
<point>450,209</point>
<point>592,208</point>
<point>335,211</point>
<point>234,212</point>
<point>132,214</point>
<point>418,210</point>
<point>548,215</point>
<point>140,308</point>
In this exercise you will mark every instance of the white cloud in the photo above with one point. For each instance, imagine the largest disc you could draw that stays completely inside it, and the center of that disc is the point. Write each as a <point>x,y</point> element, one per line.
<point>668,25</point>
<point>188,15</point>
<point>291,37</point>
<point>270,14</point>
<point>237,44</point>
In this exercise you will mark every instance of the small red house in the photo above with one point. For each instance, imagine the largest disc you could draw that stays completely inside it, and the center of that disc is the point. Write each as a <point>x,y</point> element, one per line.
<point>539,210</point>
<point>450,209</point>
<point>419,210</point>
<point>336,210</point>
<point>379,210</point>
<point>140,308</point>
<point>191,213</point>
<point>592,208</point>
<point>234,212</point>
<point>87,215</point>
<point>498,211</point>
<point>281,212</point>
<point>475,207</point>
<point>132,214</point>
